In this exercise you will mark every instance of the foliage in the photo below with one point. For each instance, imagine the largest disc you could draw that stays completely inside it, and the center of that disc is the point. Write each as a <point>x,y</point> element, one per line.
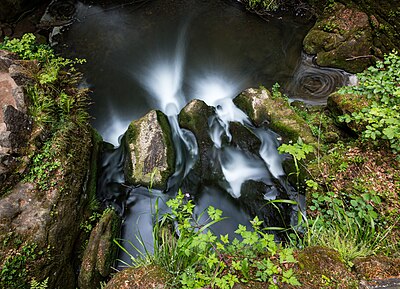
<point>348,223</point>
<point>39,285</point>
<point>298,151</point>
<point>379,84</point>
<point>44,165</point>
<point>262,5</point>
<point>196,258</point>
<point>14,273</point>
<point>54,95</point>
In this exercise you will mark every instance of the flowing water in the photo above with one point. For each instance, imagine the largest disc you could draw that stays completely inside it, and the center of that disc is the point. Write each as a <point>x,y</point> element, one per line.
<point>161,55</point>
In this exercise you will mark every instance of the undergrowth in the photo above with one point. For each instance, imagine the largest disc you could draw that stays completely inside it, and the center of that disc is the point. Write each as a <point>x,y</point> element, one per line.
<point>196,258</point>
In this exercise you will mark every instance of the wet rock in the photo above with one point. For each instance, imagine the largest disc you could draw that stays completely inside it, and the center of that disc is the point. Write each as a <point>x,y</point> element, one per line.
<point>147,277</point>
<point>100,252</point>
<point>151,156</point>
<point>11,9</point>
<point>195,117</point>
<point>341,38</point>
<point>275,113</point>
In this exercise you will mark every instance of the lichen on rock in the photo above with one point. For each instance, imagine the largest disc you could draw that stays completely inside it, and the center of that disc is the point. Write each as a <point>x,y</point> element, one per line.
<point>151,156</point>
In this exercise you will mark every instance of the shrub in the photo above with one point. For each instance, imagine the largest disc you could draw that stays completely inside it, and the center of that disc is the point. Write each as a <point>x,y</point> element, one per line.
<point>381,85</point>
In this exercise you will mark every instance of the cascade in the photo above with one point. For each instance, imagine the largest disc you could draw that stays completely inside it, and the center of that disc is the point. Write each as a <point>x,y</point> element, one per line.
<point>137,61</point>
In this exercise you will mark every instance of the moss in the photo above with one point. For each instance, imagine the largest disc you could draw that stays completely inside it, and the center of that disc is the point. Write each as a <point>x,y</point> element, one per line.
<point>320,267</point>
<point>146,277</point>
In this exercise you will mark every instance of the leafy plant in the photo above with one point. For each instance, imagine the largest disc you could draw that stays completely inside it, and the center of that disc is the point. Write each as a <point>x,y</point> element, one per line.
<point>348,223</point>
<point>39,285</point>
<point>54,95</point>
<point>197,258</point>
<point>298,151</point>
<point>380,85</point>
<point>263,5</point>
<point>14,273</point>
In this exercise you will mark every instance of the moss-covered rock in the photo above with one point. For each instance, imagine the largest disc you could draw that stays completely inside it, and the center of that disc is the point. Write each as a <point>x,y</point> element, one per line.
<point>341,38</point>
<point>341,104</point>
<point>320,267</point>
<point>276,112</point>
<point>147,277</point>
<point>44,211</point>
<point>100,252</point>
<point>151,155</point>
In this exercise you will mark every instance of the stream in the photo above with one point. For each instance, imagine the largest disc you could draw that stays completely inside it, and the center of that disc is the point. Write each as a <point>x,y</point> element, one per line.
<point>162,54</point>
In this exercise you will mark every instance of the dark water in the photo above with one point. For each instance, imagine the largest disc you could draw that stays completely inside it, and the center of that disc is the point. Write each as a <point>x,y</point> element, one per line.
<point>165,53</point>
<point>221,38</point>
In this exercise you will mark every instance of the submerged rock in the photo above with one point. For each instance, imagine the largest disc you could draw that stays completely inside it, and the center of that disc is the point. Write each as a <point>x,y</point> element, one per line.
<point>151,156</point>
<point>10,9</point>
<point>341,38</point>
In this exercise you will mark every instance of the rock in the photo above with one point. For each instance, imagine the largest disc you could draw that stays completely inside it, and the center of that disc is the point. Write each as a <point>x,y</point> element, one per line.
<point>319,266</point>
<point>195,116</point>
<point>341,104</point>
<point>43,213</point>
<point>147,277</point>
<point>11,9</point>
<point>100,252</point>
<point>151,156</point>
<point>341,38</point>
<point>15,124</point>
<point>377,267</point>
<point>275,113</point>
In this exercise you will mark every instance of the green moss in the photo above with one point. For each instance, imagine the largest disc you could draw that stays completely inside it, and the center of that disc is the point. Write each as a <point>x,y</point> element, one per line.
<point>321,267</point>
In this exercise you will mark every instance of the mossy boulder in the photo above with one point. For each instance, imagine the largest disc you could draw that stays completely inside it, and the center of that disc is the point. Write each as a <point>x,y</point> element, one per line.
<point>320,267</point>
<point>151,155</point>
<point>341,104</point>
<point>146,277</point>
<point>275,113</point>
<point>100,252</point>
<point>40,216</point>
<point>342,38</point>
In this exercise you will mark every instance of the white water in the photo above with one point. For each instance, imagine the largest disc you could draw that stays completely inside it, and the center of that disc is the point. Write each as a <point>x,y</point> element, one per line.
<point>164,78</point>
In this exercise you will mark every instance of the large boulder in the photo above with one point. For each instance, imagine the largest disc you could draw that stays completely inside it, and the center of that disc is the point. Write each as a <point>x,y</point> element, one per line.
<point>40,216</point>
<point>275,113</point>
<point>150,158</point>
<point>342,38</point>
<point>15,124</point>
<point>46,182</point>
